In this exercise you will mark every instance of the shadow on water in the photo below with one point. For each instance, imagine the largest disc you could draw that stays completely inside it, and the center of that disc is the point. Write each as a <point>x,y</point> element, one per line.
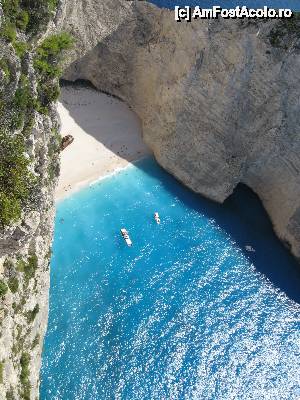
<point>242,216</point>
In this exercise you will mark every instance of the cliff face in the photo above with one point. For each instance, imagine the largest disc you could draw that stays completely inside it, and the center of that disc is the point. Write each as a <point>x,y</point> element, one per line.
<point>219,100</point>
<point>29,157</point>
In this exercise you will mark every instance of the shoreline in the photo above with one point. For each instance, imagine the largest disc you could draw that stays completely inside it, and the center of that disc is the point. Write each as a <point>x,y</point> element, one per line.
<point>83,185</point>
<point>107,138</point>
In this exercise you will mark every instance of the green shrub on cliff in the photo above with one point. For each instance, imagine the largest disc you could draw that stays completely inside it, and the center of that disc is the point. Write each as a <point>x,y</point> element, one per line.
<point>52,4</point>
<point>10,394</point>
<point>15,177</point>
<point>36,341</point>
<point>22,20</point>
<point>13,284</point>
<point>14,17</point>
<point>8,266</point>
<point>18,110</point>
<point>22,107</point>
<point>20,48</point>
<point>10,209</point>
<point>285,32</point>
<point>28,15</point>
<point>24,377</point>
<point>40,12</point>
<point>8,31</point>
<point>11,8</point>
<point>30,267</point>
<point>1,371</point>
<point>32,314</point>
<point>47,63</point>
<point>49,54</point>
<point>22,96</point>
<point>53,46</point>
<point>48,93</point>
<point>4,65</point>
<point>3,288</point>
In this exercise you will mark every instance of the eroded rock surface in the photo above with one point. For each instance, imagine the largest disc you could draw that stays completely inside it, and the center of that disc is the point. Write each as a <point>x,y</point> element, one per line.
<point>219,100</point>
<point>29,166</point>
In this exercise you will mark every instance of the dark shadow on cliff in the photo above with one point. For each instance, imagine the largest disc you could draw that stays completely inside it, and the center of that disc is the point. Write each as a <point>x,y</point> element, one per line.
<point>83,111</point>
<point>114,59</point>
<point>242,216</point>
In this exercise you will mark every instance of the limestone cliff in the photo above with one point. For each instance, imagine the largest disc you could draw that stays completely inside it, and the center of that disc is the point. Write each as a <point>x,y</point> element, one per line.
<point>219,99</point>
<point>29,166</point>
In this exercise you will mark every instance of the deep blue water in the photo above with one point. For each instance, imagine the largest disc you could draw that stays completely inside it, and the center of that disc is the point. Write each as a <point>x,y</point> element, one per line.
<point>292,4</point>
<point>186,313</point>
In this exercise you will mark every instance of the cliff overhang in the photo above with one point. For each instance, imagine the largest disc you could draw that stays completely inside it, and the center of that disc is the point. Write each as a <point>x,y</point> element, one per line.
<point>219,100</point>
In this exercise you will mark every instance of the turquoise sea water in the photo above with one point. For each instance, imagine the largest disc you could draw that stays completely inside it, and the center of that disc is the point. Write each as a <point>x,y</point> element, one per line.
<point>186,313</point>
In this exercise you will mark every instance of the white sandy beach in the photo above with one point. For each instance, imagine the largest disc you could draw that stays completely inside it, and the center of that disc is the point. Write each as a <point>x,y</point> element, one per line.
<point>107,136</point>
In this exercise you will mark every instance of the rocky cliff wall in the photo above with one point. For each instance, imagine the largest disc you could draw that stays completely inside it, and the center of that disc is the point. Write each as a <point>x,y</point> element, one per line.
<point>29,166</point>
<point>219,99</point>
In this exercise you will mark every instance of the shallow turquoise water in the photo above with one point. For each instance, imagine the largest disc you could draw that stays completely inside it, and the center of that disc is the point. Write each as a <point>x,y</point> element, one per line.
<point>186,313</point>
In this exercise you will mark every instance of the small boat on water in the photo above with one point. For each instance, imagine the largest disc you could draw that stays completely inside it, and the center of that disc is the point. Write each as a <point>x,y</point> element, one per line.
<point>126,237</point>
<point>156,217</point>
<point>250,248</point>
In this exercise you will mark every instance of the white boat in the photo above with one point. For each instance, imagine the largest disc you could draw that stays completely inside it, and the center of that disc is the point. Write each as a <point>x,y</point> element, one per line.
<point>156,217</point>
<point>126,237</point>
<point>250,248</point>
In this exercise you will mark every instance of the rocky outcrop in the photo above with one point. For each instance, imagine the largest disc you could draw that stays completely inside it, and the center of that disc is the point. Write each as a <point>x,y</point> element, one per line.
<point>25,249</point>
<point>29,166</point>
<point>219,100</point>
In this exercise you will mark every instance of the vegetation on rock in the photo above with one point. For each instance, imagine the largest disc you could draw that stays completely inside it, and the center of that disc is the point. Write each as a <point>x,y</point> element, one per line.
<point>24,377</point>
<point>15,177</point>
<point>17,111</point>
<point>20,48</point>
<point>8,266</point>
<point>3,288</point>
<point>10,394</point>
<point>32,314</point>
<point>4,65</point>
<point>49,54</point>
<point>13,284</point>
<point>30,67</point>
<point>28,267</point>
<point>47,62</point>
<point>1,371</point>
<point>28,15</point>
<point>8,31</point>
<point>286,32</point>
<point>35,341</point>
